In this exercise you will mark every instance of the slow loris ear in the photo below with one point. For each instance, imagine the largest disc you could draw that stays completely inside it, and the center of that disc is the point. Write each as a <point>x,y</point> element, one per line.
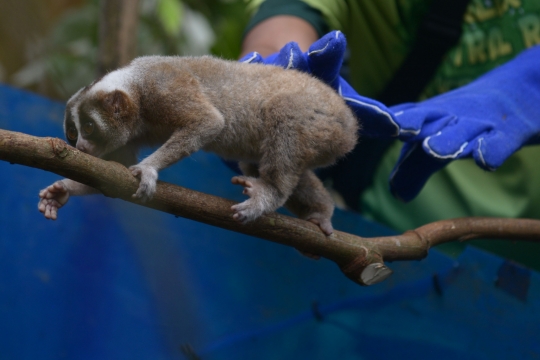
<point>117,103</point>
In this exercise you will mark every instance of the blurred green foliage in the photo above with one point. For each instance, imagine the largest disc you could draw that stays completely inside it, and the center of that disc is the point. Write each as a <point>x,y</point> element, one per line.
<point>170,14</point>
<point>166,27</point>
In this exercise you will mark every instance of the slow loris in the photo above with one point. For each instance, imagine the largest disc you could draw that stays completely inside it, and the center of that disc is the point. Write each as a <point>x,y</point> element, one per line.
<point>279,124</point>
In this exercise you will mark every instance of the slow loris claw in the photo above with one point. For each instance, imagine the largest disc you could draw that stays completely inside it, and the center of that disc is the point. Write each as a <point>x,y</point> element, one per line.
<point>148,176</point>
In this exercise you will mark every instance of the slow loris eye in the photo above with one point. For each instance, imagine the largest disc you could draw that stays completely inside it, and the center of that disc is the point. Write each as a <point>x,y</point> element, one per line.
<point>72,133</point>
<point>88,128</point>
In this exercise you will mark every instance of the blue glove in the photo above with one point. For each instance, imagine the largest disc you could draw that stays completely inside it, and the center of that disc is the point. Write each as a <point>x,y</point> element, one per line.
<point>470,120</point>
<point>323,60</point>
<point>488,120</point>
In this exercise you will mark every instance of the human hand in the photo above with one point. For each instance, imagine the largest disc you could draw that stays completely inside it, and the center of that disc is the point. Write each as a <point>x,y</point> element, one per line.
<point>488,120</point>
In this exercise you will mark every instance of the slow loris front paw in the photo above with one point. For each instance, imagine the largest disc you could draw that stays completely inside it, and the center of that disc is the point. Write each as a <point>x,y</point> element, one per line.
<point>148,176</point>
<point>52,198</point>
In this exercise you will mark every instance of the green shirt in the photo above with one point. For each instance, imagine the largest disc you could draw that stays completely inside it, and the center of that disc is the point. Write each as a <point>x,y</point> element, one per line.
<point>380,34</point>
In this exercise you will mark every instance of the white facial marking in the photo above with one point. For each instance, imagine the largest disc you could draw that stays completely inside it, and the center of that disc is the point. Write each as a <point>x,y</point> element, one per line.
<point>98,120</point>
<point>75,117</point>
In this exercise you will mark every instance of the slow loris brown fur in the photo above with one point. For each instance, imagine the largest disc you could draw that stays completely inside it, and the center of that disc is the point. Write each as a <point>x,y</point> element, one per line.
<point>280,124</point>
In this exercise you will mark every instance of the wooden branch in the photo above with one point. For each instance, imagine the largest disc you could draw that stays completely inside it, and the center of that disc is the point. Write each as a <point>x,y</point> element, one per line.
<point>361,259</point>
<point>118,24</point>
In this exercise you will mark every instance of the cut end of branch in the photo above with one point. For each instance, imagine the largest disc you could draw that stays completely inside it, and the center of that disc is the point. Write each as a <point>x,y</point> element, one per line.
<point>375,273</point>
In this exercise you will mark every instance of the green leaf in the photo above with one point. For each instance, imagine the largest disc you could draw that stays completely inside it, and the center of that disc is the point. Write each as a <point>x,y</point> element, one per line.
<point>170,14</point>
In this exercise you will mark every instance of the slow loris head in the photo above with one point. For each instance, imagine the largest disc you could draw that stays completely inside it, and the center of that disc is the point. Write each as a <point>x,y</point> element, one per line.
<point>101,117</point>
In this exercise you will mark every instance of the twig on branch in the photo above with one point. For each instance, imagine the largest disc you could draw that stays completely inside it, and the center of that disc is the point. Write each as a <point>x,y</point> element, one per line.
<point>361,259</point>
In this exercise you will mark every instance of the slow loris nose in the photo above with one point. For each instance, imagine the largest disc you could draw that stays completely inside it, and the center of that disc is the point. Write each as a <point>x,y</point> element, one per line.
<point>81,147</point>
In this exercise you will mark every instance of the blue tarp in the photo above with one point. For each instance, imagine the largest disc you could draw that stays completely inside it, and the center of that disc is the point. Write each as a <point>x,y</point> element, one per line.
<point>112,280</point>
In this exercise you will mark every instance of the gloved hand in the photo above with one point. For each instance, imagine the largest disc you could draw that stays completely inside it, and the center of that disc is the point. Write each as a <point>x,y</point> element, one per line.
<point>488,119</point>
<point>323,60</point>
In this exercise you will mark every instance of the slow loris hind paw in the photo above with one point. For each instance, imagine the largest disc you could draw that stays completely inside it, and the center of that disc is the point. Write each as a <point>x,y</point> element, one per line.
<point>148,176</point>
<point>252,208</point>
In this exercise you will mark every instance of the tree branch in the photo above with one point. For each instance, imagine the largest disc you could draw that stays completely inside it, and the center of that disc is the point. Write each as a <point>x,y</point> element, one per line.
<point>361,259</point>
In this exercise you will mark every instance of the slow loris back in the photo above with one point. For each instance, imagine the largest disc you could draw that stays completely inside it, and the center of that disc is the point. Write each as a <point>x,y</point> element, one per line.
<point>280,124</point>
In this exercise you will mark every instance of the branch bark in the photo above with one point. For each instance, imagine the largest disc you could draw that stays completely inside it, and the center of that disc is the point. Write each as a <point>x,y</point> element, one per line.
<point>360,259</point>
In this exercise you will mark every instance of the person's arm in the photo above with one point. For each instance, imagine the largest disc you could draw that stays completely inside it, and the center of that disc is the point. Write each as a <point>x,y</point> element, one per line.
<point>271,35</point>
